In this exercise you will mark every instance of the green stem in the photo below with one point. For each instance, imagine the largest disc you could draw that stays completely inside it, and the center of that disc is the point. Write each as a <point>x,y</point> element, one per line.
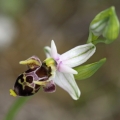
<point>99,41</point>
<point>15,108</point>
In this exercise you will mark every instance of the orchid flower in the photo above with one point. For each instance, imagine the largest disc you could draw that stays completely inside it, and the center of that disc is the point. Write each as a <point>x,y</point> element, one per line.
<point>64,74</point>
<point>56,69</point>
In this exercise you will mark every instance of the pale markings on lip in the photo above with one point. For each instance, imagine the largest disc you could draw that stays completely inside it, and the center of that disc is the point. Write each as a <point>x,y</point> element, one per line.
<point>35,78</point>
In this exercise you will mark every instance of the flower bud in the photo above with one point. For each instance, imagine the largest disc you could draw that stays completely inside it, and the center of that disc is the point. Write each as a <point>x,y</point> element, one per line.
<point>105,24</point>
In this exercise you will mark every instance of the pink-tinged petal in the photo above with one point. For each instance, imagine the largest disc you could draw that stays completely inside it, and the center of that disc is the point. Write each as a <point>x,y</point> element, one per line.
<point>49,87</point>
<point>67,82</point>
<point>78,55</point>
<point>66,69</point>
<point>54,50</point>
<point>47,51</point>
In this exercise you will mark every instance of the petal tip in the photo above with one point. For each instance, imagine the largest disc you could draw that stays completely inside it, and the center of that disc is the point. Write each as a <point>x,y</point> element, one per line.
<point>53,50</point>
<point>75,72</point>
<point>52,42</point>
<point>77,96</point>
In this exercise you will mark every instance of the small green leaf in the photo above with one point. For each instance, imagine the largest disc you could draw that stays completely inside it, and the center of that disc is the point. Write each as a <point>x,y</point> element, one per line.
<point>87,71</point>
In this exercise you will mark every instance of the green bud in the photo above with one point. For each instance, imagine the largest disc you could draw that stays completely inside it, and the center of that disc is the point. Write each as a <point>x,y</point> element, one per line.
<point>87,71</point>
<point>111,32</point>
<point>105,24</point>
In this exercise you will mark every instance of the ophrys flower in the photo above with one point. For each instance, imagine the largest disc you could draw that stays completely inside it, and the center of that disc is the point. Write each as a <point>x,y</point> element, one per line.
<point>64,75</point>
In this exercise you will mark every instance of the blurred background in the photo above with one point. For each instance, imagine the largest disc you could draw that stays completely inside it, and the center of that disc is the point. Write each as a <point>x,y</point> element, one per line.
<point>26,26</point>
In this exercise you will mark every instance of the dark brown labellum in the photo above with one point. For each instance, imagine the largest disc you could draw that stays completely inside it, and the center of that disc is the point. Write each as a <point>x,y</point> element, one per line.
<point>24,85</point>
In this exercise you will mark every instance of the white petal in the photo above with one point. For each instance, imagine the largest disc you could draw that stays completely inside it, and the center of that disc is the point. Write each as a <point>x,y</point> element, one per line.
<point>66,69</point>
<point>53,50</point>
<point>67,82</point>
<point>78,55</point>
<point>47,51</point>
